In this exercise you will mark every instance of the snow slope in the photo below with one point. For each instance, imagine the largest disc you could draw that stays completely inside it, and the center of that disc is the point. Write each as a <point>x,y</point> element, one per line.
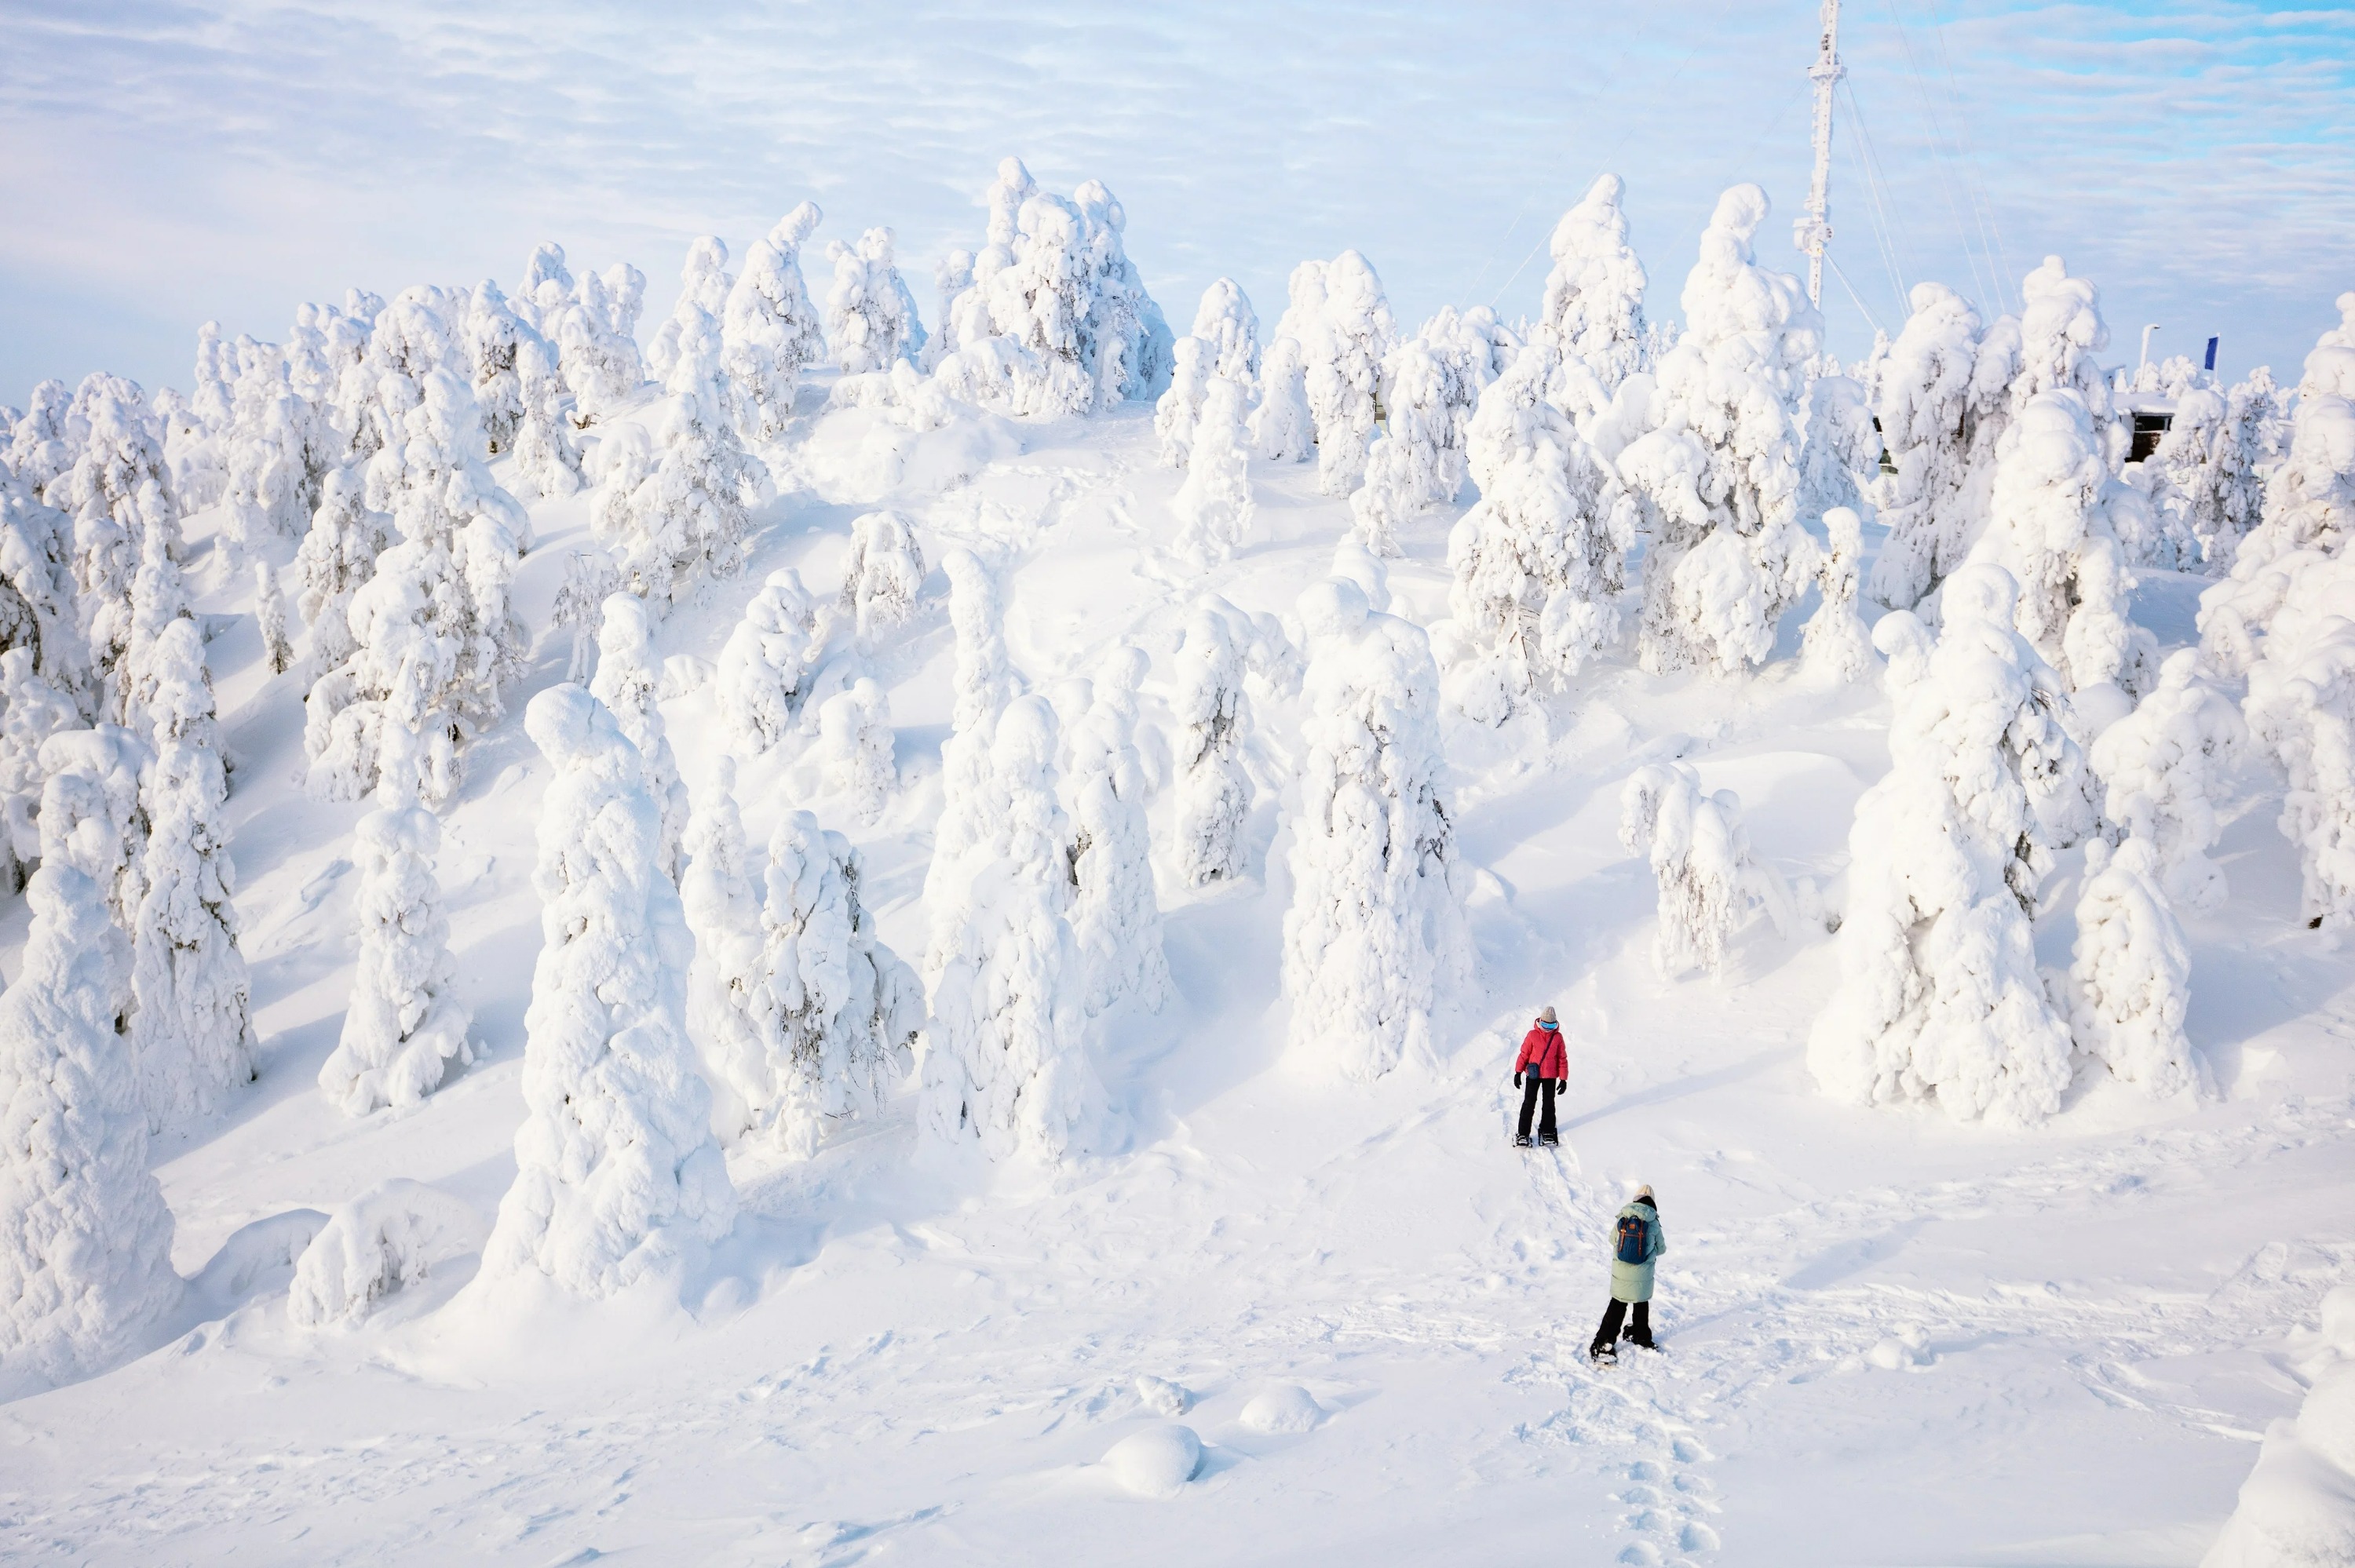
<point>1889,1339</point>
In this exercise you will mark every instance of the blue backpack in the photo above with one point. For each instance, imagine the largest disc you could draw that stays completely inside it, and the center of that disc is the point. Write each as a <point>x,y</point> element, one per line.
<point>1634,1239</point>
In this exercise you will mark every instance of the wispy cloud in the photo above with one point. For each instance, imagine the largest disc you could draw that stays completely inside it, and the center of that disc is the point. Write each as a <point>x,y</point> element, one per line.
<point>170,162</point>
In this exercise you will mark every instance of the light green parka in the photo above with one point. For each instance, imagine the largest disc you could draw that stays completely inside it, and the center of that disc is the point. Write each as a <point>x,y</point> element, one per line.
<point>1633,1281</point>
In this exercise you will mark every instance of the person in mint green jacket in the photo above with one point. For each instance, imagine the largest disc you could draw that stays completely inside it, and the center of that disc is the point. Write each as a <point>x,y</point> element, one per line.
<point>1636,1243</point>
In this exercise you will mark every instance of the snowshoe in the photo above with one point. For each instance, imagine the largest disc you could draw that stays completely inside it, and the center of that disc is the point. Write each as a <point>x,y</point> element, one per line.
<point>1549,1141</point>
<point>1519,1141</point>
<point>1604,1355</point>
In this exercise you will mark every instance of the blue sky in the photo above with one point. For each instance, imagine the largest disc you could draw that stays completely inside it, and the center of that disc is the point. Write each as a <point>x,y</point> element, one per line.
<point>166,162</point>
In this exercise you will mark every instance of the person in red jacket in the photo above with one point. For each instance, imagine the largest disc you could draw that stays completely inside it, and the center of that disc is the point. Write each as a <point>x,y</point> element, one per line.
<point>1545,1066</point>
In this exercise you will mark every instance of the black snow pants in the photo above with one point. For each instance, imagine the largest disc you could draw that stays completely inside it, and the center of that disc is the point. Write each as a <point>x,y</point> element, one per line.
<point>1614,1316</point>
<point>1533,1089</point>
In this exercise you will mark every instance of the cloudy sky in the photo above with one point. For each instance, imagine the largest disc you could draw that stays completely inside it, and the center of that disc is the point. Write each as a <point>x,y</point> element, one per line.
<point>162,163</point>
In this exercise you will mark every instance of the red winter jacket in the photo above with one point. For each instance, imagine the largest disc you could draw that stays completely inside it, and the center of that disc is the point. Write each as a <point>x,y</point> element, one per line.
<point>1541,1053</point>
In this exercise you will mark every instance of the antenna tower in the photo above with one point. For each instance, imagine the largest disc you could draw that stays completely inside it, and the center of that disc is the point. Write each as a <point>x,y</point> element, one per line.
<point>1814,231</point>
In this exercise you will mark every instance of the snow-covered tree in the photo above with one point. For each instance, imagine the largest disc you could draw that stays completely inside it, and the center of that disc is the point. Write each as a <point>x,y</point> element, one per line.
<point>721,902</point>
<point>704,284</point>
<point>870,317</point>
<point>35,711</point>
<point>92,818</point>
<point>1842,450</point>
<point>434,642</point>
<point>2165,768</point>
<point>1836,645</point>
<point>404,1021</point>
<point>272,487</point>
<point>2301,710</point>
<point>595,336</point>
<point>2052,527</point>
<point>193,1029</point>
<point>1214,506</point>
<point>336,557</point>
<point>1374,941</point>
<point>1006,1063</point>
<point>589,579</point>
<point>1594,303</point>
<point>1420,461</point>
<point>36,565</point>
<point>1341,320</point>
<point>85,1239</point>
<point>1282,429</point>
<point>1114,915</point>
<point>884,576</point>
<point>1709,884</point>
<point>489,335</point>
<point>1941,403</point>
<point>835,1011</point>
<point>770,330</point>
<point>2060,330</point>
<point>1212,715</point>
<point>617,1178</point>
<point>627,679</point>
<point>1539,561</point>
<point>983,682</point>
<point>118,490</point>
<point>1718,475</point>
<point>684,522</point>
<point>270,617</point>
<point>1226,321</point>
<point>546,290</point>
<point>765,665</point>
<point>1939,995</point>
<point>855,742</point>
<point>546,461</point>
<point>159,601</point>
<point>1130,342</point>
<point>2130,982</point>
<point>1180,408</point>
<point>41,444</point>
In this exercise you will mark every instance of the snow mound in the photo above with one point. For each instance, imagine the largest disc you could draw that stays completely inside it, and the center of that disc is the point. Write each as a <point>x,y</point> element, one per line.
<point>1156,1462</point>
<point>2297,1506</point>
<point>1283,1408</point>
<point>1161,1396</point>
<point>376,1244</point>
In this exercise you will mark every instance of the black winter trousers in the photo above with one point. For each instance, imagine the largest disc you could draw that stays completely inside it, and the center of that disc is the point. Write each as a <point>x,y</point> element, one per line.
<point>1532,1091</point>
<point>1614,1316</point>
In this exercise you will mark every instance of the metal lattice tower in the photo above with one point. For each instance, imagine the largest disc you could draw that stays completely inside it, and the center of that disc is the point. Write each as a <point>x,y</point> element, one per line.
<point>1813,232</point>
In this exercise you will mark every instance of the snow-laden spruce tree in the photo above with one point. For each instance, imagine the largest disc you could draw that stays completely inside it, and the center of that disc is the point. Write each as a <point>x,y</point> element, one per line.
<point>1718,475</point>
<point>91,818</point>
<point>983,682</point>
<point>2301,711</point>
<point>770,330</point>
<point>767,663</point>
<point>595,340</point>
<point>2130,982</point>
<point>1114,915</point>
<point>1132,341</point>
<point>704,283</point>
<point>192,1028</point>
<point>617,1179</point>
<point>870,317</point>
<point>159,601</point>
<point>2165,768</point>
<point>1942,404</point>
<point>1374,941</point>
<point>2052,526</point>
<point>36,546</point>
<point>119,492</point>
<point>546,461</point>
<point>1841,450</point>
<point>1226,321</point>
<point>1593,302</point>
<point>627,680</point>
<point>884,576</point>
<point>855,742</point>
<point>272,486</point>
<point>488,334</point>
<point>1420,461</point>
<point>434,642</point>
<point>189,451</point>
<point>1006,1063</point>
<point>1539,562</point>
<point>1939,995</point>
<point>1181,408</point>
<point>336,557</point>
<point>270,619</point>
<point>41,444</point>
<point>85,1240</point>
<point>721,904</point>
<point>2060,330</point>
<point>684,522</point>
<point>1836,646</point>
<point>1214,506</point>
<point>1282,429</point>
<point>1341,319</point>
<point>589,579</point>
<point>1212,715</point>
<point>835,1012</point>
<point>404,1021</point>
<point>1224,343</point>
<point>2309,505</point>
<point>35,710</point>
<point>1709,884</point>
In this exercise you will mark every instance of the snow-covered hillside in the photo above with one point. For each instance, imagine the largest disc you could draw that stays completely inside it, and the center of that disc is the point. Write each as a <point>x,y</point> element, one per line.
<point>893,934</point>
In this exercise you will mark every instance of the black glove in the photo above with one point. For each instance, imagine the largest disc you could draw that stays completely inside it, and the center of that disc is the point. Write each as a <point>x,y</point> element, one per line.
<point>1517,1080</point>
<point>1562,1086</point>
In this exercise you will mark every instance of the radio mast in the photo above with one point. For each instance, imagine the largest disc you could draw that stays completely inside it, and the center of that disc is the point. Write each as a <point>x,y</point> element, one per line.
<point>1814,231</point>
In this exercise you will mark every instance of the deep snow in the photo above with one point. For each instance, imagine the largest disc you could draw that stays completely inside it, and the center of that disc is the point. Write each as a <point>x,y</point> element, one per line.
<point>1889,1337</point>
